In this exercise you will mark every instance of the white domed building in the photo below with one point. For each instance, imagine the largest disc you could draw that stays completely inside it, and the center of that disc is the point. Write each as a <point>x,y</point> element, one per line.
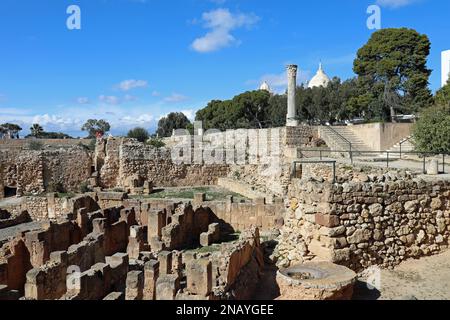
<point>265,86</point>
<point>320,79</point>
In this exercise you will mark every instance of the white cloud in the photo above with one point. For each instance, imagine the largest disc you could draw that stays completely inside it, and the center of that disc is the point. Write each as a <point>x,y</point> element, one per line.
<point>156,94</point>
<point>395,3</point>
<point>221,22</point>
<point>127,85</point>
<point>109,99</point>
<point>175,98</point>
<point>83,100</point>
<point>190,113</point>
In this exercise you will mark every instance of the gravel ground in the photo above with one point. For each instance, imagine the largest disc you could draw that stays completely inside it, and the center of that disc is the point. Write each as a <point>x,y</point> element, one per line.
<point>424,279</point>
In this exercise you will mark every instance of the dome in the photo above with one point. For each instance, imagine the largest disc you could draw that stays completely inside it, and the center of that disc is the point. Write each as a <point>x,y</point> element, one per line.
<point>265,87</point>
<point>320,79</point>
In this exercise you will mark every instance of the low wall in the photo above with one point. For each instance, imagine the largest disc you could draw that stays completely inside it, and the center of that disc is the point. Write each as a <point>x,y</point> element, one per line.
<point>382,136</point>
<point>360,224</point>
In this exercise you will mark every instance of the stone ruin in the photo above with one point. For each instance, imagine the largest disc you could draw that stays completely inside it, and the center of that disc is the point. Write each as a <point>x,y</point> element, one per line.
<point>118,253</point>
<point>114,243</point>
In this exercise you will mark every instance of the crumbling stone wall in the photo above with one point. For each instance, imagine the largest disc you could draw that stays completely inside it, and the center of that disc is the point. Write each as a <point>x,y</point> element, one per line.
<point>378,220</point>
<point>120,159</point>
<point>34,172</point>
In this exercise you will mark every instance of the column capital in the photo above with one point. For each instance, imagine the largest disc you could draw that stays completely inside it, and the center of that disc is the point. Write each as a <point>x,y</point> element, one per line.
<point>292,69</point>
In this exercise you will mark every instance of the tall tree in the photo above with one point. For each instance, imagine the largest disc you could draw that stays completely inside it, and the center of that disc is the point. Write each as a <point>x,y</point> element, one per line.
<point>173,121</point>
<point>247,110</point>
<point>11,130</point>
<point>96,127</point>
<point>392,69</point>
<point>442,96</point>
<point>36,130</point>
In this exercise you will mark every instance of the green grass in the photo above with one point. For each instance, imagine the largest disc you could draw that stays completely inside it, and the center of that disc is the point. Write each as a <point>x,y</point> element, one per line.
<point>212,194</point>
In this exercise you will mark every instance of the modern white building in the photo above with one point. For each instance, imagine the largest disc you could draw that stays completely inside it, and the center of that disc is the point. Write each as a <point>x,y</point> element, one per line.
<point>445,60</point>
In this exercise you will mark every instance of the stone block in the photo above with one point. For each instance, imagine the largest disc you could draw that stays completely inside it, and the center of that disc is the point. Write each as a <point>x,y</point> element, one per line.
<point>167,287</point>
<point>326,220</point>
<point>134,285</point>
<point>199,277</point>
<point>165,262</point>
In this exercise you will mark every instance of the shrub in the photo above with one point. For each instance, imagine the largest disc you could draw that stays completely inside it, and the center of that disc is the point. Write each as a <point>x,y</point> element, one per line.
<point>140,134</point>
<point>35,145</point>
<point>84,187</point>
<point>156,142</point>
<point>432,130</point>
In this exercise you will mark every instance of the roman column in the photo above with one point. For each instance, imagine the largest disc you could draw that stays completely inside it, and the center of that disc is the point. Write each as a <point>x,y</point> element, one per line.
<point>292,85</point>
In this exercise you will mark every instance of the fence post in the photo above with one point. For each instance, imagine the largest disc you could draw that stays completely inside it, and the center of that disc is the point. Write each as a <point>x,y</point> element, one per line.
<point>387,159</point>
<point>351,154</point>
<point>443,163</point>
<point>424,164</point>
<point>334,172</point>
<point>400,150</point>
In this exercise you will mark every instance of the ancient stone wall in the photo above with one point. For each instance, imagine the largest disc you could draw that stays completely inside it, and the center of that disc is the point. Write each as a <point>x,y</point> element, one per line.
<point>373,220</point>
<point>125,160</point>
<point>34,172</point>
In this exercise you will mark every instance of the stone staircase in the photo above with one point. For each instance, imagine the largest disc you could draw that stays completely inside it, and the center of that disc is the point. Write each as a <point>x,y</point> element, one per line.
<point>341,137</point>
<point>394,152</point>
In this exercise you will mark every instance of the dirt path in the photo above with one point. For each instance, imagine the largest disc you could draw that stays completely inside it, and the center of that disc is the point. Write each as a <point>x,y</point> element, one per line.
<point>424,279</point>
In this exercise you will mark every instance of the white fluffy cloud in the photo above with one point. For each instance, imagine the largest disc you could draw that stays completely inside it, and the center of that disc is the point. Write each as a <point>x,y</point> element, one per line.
<point>221,23</point>
<point>394,3</point>
<point>127,85</point>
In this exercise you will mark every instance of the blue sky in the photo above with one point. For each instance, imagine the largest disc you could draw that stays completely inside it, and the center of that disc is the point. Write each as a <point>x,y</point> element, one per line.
<point>134,61</point>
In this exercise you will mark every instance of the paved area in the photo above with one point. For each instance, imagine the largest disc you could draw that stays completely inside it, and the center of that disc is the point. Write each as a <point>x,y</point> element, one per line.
<point>423,279</point>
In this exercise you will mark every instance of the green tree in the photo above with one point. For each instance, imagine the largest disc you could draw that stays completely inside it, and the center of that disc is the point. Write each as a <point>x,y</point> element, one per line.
<point>11,130</point>
<point>95,127</point>
<point>442,96</point>
<point>36,130</point>
<point>247,110</point>
<point>173,121</point>
<point>392,69</point>
<point>432,130</point>
<point>140,134</point>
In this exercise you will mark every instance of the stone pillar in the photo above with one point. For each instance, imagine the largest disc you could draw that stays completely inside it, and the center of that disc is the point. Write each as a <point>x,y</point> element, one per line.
<point>199,277</point>
<point>292,86</point>
<point>165,262</point>
<point>134,285</point>
<point>151,274</point>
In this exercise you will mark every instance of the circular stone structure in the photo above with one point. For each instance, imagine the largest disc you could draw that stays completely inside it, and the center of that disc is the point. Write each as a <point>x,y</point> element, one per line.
<point>316,281</point>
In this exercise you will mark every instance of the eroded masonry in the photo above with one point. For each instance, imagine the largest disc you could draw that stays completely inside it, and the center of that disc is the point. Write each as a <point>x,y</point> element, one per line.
<point>130,221</point>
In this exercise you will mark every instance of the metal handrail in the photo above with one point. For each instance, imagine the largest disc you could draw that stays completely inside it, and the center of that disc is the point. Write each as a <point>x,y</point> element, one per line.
<point>423,154</point>
<point>343,138</point>
<point>402,142</point>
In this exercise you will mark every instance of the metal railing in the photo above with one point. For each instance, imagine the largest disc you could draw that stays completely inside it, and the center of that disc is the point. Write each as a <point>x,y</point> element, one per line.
<point>336,133</point>
<point>424,155</point>
<point>402,143</point>
<point>333,162</point>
